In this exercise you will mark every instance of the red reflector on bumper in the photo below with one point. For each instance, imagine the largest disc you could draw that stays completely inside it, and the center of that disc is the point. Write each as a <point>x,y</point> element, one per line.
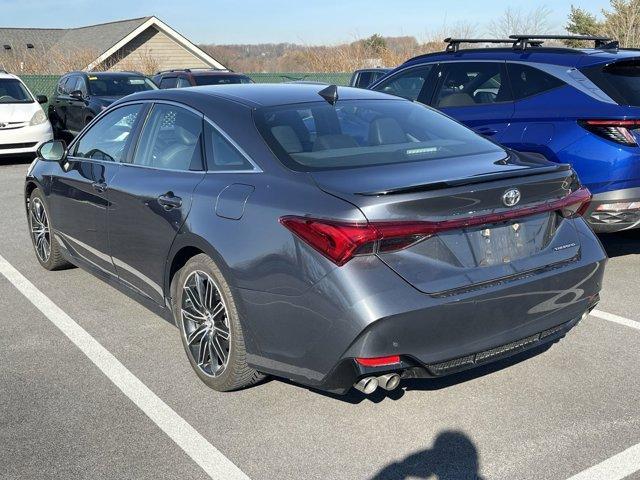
<point>378,361</point>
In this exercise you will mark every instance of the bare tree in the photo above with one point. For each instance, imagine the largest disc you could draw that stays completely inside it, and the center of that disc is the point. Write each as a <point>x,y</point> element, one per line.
<point>622,22</point>
<point>516,21</point>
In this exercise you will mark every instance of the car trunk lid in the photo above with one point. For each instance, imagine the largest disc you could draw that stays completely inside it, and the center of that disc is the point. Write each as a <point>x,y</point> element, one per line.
<point>472,187</point>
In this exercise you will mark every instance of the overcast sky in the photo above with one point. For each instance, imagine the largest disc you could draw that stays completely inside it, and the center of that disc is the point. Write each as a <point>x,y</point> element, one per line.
<point>298,21</point>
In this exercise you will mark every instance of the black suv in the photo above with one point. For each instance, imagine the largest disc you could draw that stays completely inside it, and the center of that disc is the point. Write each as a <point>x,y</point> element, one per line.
<point>80,96</point>
<point>193,77</point>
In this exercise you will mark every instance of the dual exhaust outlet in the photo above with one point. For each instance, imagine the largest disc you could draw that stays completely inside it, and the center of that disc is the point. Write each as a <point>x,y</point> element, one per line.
<point>368,385</point>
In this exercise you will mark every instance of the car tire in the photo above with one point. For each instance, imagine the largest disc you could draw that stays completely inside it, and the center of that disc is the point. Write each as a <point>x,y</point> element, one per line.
<point>204,311</point>
<point>45,245</point>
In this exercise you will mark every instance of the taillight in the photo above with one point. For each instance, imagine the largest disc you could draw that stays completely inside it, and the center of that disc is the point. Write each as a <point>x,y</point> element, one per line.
<point>341,241</point>
<point>619,131</point>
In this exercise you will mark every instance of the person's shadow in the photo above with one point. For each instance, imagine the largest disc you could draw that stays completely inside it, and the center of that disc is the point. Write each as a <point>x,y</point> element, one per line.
<point>452,457</point>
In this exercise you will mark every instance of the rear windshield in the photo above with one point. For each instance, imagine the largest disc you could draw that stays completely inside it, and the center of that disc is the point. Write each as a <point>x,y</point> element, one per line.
<point>362,133</point>
<point>220,79</point>
<point>620,80</point>
<point>118,85</point>
<point>13,91</point>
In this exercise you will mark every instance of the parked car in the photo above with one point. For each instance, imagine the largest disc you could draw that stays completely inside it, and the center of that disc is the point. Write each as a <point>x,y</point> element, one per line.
<point>23,123</point>
<point>194,77</point>
<point>338,237</point>
<point>80,96</point>
<point>366,76</point>
<point>576,106</point>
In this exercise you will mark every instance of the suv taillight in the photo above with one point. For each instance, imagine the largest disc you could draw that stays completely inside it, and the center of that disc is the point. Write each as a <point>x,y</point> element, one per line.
<point>618,131</point>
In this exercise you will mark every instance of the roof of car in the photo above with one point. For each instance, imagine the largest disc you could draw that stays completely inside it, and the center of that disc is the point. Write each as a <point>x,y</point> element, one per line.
<point>202,72</point>
<point>255,95</point>
<point>570,57</point>
<point>5,74</point>
<point>110,73</point>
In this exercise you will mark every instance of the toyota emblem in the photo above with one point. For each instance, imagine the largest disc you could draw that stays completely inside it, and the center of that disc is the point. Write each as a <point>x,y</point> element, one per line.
<point>511,197</point>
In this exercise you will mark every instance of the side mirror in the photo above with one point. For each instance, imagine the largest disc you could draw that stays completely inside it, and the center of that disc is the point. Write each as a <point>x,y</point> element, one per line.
<point>41,99</point>
<point>77,94</point>
<point>53,151</point>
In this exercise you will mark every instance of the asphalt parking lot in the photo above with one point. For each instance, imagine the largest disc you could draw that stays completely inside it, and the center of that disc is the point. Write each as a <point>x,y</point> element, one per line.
<point>547,416</point>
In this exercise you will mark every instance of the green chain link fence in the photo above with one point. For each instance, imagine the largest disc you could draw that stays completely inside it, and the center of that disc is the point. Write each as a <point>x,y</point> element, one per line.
<point>46,84</point>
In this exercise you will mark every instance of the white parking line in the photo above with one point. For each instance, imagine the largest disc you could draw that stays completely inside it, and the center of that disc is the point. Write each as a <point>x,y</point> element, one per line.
<point>615,468</point>
<point>616,319</point>
<point>212,461</point>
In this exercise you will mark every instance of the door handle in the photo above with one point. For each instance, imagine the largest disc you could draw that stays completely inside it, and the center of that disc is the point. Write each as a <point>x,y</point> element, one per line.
<point>169,201</point>
<point>486,131</point>
<point>99,187</point>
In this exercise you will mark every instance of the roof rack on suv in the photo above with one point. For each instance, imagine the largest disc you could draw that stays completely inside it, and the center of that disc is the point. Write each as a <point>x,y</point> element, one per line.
<point>600,43</point>
<point>453,44</point>
<point>189,70</point>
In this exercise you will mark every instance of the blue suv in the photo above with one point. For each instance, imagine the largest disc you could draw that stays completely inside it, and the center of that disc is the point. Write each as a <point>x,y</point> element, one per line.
<point>573,105</point>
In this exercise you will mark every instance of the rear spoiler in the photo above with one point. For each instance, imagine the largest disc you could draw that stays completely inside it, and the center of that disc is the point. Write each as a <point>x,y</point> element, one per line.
<point>424,187</point>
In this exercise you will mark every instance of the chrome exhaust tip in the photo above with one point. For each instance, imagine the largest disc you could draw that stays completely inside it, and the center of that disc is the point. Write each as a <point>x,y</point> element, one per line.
<point>389,381</point>
<point>366,385</point>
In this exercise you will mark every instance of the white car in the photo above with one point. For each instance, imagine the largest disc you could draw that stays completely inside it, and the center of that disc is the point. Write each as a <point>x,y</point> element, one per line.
<point>23,124</point>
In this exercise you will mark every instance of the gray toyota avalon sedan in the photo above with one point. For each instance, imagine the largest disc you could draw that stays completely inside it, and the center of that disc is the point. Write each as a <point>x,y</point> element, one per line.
<point>337,237</point>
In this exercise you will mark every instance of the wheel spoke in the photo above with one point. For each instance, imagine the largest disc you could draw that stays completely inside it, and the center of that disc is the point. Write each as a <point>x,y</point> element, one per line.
<point>200,289</point>
<point>208,295</point>
<point>197,334</point>
<point>197,319</point>
<point>203,351</point>
<point>220,353</point>
<point>222,331</point>
<point>195,303</point>
<point>216,311</point>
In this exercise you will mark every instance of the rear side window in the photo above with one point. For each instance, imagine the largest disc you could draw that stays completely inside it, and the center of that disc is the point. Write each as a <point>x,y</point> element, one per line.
<point>169,82</point>
<point>620,80</point>
<point>408,84</point>
<point>222,155</point>
<point>182,83</point>
<point>364,79</point>
<point>467,84</point>
<point>363,133</point>
<point>527,81</point>
<point>171,139</point>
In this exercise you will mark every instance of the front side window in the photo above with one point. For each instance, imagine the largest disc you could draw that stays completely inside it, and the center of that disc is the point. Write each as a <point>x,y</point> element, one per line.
<point>359,133</point>
<point>105,85</point>
<point>108,138</point>
<point>80,86</point>
<point>408,84</point>
<point>13,91</point>
<point>527,81</point>
<point>466,84</point>
<point>171,139</point>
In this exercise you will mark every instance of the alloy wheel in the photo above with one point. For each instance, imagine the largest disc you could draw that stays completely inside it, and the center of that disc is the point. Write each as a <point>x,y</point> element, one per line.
<point>205,323</point>
<point>39,224</point>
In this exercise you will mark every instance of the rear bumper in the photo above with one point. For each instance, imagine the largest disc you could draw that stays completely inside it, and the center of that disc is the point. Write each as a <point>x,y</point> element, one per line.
<point>364,309</point>
<point>614,220</point>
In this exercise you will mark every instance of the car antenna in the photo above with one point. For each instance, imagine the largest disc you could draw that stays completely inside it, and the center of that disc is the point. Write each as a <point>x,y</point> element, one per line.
<point>330,94</point>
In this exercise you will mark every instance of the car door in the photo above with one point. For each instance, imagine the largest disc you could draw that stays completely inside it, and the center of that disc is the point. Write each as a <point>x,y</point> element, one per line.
<point>79,191</point>
<point>59,104</point>
<point>477,94</point>
<point>77,106</point>
<point>150,196</point>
